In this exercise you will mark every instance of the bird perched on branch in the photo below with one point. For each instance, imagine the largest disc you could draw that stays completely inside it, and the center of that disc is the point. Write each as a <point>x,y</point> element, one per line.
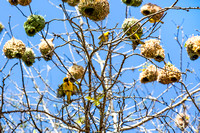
<point>67,88</point>
<point>104,37</point>
<point>137,41</point>
<point>153,21</point>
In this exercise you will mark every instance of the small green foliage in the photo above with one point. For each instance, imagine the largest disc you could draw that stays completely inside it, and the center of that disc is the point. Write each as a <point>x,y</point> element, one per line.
<point>95,101</point>
<point>34,24</point>
<point>185,45</point>
<point>80,120</point>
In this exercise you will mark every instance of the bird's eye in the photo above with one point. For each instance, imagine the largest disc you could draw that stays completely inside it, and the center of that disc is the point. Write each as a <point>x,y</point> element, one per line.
<point>66,80</point>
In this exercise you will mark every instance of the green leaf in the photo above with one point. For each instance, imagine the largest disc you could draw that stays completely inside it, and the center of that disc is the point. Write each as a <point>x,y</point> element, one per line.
<point>185,45</point>
<point>96,102</point>
<point>89,98</point>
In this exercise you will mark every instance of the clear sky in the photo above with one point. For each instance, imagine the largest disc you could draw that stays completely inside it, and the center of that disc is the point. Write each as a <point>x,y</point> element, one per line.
<point>189,21</point>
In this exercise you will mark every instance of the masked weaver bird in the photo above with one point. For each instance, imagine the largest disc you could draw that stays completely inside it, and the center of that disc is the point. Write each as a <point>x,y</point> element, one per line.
<point>67,88</point>
<point>104,37</point>
<point>136,42</point>
<point>153,21</point>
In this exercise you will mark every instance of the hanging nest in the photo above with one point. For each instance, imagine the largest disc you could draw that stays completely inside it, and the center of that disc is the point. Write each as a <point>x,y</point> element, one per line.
<point>76,71</point>
<point>34,24</point>
<point>129,24</point>
<point>46,47</point>
<point>1,27</point>
<point>96,10</point>
<point>13,2</point>
<point>14,48</point>
<point>169,74</point>
<point>193,47</point>
<point>152,49</point>
<point>182,120</point>
<point>29,57</point>
<point>149,74</point>
<point>24,2</point>
<point>132,2</point>
<point>72,2</point>
<point>149,8</point>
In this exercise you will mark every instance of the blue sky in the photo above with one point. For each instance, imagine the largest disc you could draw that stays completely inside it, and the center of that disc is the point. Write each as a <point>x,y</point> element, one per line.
<point>189,21</point>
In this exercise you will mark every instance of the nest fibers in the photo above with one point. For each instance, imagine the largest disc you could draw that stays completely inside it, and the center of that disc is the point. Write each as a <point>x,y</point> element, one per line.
<point>96,10</point>
<point>149,74</point>
<point>129,26</point>
<point>28,57</point>
<point>13,2</point>
<point>24,2</point>
<point>169,74</point>
<point>34,24</point>
<point>149,8</point>
<point>76,71</point>
<point>152,49</point>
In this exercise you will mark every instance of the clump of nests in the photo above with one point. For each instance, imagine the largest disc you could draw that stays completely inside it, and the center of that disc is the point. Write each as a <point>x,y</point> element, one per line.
<point>193,47</point>
<point>167,75</point>
<point>95,10</point>
<point>152,49</point>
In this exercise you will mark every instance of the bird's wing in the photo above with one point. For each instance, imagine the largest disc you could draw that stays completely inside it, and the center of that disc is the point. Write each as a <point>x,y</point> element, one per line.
<point>100,36</point>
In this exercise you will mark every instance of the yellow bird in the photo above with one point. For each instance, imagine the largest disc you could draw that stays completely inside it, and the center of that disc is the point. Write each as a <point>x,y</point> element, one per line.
<point>67,88</point>
<point>153,21</point>
<point>104,37</point>
<point>136,42</point>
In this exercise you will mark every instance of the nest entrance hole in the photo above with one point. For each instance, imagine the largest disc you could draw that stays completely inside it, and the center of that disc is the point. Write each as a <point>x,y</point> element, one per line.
<point>194,57</point>
<point>145,79</point>
<point>173,79</point>
<point>146,12</point>
<point>128,1</point>
<point>28,63</point>
<point>89,11</point>
<point>159,58</point>
<point>18,55</point>
<point>31,31</point>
